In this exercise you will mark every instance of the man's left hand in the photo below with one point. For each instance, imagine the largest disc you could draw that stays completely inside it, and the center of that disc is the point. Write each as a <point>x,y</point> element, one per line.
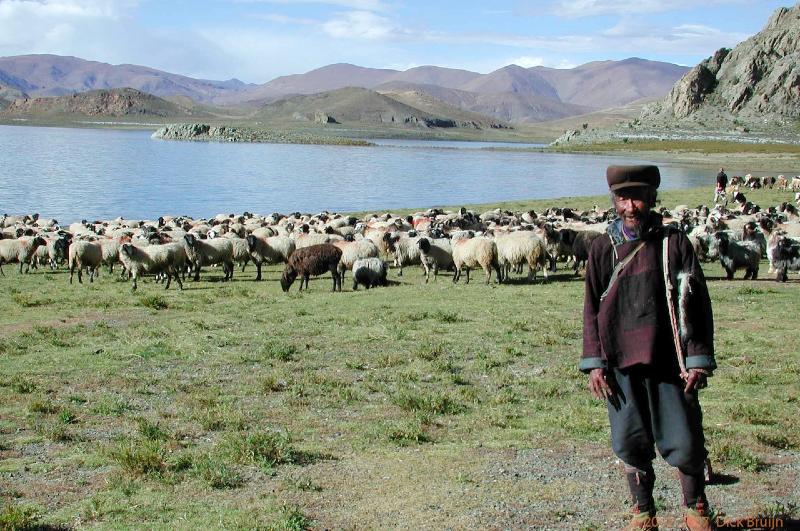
<point>698,379</point>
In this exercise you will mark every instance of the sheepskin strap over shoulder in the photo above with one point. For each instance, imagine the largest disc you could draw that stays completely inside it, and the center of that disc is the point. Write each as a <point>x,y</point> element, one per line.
<point>631,325</point>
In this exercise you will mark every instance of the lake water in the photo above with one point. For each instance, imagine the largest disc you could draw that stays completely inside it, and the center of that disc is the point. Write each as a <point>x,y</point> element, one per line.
<point>71,174</point>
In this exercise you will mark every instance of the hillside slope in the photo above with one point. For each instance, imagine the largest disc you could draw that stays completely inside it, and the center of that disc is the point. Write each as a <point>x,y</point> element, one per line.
<point>756,84</point>
<point>363,106</point>
<point>99,103</point>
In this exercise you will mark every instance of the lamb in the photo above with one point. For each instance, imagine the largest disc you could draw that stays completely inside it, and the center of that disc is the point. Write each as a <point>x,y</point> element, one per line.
<point>209,252</point>
<point>785,256</point>
<point>369,272</point>
<point>167,259</point>
<point>85,254</point>
<point>735,255</point>
<point>476,252</point>
<point>314,260</point>
<point>517,248</point>
<point>354,250</point>
<point>435,253</point>
<point>271,250</point>
<point>20,250</point>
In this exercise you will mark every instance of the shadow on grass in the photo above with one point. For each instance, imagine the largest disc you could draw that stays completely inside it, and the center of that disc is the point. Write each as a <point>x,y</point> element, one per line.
<point>723,479</point>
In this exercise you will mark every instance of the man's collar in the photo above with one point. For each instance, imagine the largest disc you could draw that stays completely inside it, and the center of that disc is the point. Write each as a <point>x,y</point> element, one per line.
<point>652,226</point>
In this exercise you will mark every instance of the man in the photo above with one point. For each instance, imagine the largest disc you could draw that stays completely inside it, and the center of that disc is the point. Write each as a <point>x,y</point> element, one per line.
<point>722,182</point>
<point>648,349</point>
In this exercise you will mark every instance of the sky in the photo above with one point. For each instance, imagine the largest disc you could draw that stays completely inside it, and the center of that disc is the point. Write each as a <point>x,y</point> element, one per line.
<point>258,40</point>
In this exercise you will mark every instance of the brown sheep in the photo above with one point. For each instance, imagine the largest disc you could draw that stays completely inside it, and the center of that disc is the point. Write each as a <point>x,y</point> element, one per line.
<point>313,260</point>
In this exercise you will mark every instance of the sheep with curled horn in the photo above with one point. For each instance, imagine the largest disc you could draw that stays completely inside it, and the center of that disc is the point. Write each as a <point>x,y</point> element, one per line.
<point>312,261</point>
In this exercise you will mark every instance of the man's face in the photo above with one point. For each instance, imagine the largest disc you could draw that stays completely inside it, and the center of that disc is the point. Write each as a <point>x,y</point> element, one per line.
<point>633,206</point>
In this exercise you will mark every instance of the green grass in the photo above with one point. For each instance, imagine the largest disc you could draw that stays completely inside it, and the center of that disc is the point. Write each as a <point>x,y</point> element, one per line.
<point>205,411</point>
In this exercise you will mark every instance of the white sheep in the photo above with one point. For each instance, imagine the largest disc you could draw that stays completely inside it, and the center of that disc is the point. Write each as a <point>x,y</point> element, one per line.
<point>241,250</point>
<point>475,252</point>
<point>404,249</point>
<point>436,254</point>
<point>271,250</point>
<point>167,259</point>
<point>209,252</point>
<point>521,247</point>
<point>85,254</point>
<point>354,250</point>
<point>20,250</point>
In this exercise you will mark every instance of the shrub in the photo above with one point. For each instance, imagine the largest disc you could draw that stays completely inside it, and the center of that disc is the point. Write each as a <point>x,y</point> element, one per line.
<point>140,457</point>
<point>19,518</point>
<point>156,302</point>
<point>266,448</point>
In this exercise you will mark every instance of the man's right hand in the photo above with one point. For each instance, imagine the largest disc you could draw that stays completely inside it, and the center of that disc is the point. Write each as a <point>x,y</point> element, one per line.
<point>598,384</point>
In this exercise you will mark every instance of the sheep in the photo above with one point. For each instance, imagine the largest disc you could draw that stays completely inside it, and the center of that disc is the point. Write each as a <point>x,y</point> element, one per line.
<point>579,242</point>
<point>85,254</point>
<point>476,252</point>
<point>785,256</point>
<point>782,182</point>
<point>404,249</point>
<point>369,272</point>
<point>209,252</point>
<point>795,185</point>
<point>271,250</point>
<point>54,252</point>
<point>20,250</point>
<point>354,250</point>
<point>168,259</point>
<point>241,249</point>
<point>750,232</point>
<point>435,253</point>
<point>735,255</point>
<point>314,260</point>
<point>517,248</point>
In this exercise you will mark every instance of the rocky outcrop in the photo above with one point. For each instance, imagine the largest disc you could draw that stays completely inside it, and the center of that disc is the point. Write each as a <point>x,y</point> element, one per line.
<point>114,102</point>
<point>756,82</point>
<point>211,133</point>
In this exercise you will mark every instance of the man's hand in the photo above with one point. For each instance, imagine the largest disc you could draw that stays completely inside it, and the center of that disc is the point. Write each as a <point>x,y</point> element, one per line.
<point>598,384</point>
<point>697,379</point>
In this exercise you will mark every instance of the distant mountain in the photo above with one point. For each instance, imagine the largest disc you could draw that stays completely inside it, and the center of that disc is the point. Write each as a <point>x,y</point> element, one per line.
<point>99,103</point>
<point>505,106</point>
<point>756,83</point>
<point>514,79</point>
<point>605,84</point>
<point>511,93</point>
<point>363,106</point>
<point>53,75</point>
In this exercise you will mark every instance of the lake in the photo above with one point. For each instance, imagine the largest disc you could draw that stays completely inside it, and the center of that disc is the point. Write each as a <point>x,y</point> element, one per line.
<point>71,174</point>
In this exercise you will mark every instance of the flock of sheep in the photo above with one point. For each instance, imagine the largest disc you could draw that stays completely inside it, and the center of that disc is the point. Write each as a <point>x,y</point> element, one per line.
<point>496,241</point>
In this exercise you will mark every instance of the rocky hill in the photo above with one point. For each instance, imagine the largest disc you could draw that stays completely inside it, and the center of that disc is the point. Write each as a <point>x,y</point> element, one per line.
<point>99,103</point>
<point>755,85</point>
<point>55,75</point>
<point>355,105</point>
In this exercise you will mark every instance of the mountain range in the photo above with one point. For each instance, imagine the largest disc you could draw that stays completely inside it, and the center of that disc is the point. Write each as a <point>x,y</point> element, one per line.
<point>511,94</point>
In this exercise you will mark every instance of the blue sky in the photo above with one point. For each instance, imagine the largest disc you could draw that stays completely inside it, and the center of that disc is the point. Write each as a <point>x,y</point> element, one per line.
<point>257,40</point>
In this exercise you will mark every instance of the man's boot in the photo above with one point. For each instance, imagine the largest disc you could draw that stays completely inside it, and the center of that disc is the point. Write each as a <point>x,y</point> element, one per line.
<point>641,484</point>
<point>697,517</point>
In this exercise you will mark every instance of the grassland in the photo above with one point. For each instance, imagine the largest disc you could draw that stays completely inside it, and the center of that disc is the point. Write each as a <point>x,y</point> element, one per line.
<point>413,406</point>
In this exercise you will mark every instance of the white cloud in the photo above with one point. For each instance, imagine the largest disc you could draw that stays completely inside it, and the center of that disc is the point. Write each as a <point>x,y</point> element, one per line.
<point>283,19</point>
<point>527,61</point>
<point>360,5</point>
<point>361,25</point>
<point>591,8</point>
